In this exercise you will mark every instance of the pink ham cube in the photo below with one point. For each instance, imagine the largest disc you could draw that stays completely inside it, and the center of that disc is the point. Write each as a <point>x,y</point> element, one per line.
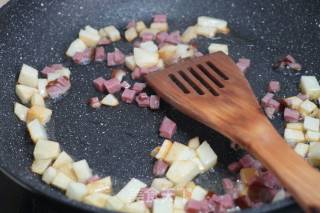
<point>167,128</point>
<point>83,58</point>
<point>103,42</point>
<point>265,100</point>
<point>113,85</point>
<point>194,206</point>
<point>136,74</point>
<point>51,69</point>
<point>159,168</point>
<point>161,37</point>
<point>243,64</point>
<point>154,102</point>
<point>115,58</point>
<point>128,95</point>
<point>147,37</point>
<point>160,18</point>
<point>291,115</point>
<point>99,84</point>
<point>100,54</point>
<point>173,38</point>
<point>94,102</point>
<point>138,87</point>
<point>274,104</point>
<point>125,85</point>
<point>168,193</point>
<point>274,86</point>
<point>148,195</point>
<point>131,23</point>
<point>234,167</point>
<point>143,100</point>
<point>58,87</point>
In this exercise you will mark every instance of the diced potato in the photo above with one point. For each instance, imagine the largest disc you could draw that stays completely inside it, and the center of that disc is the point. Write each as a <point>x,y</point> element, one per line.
<point>189,34</point>
<point>112,33</point>
<point>184,51</point>
<point>21,111</point>
<point>37,131</point>
<point>161,184</point>
<point>136,207</point>
<point>160,64</point>
<point>76,191</point>
<point>96,199</point>
<point>165,147</point>
<point>294,102</point>
<point>295,126</point>
<point>76,46</point>
<point>155,151</point>
<point>307,107</point>
<point>110,100</point>
<point>103,185</point>
<point>312,136</point>
<point>314,153</point>
<point>37,100</point>
<point>207,156</point>
<point>199,163</point>
<point>24,93</point>
<point>293,136</point>
<point>130,62</point>
<point>179,151</point>
<point>42,84</point>
<point>182,171</point>
<point>310,86</point>
<point>185,190</point>
<point>82,170</point>
<point>140,26</point>
<point>144,58</point>
<point>130,34</point>
<point>62,159</point>
<point>162,27</point>
<point>89,36</point>
<point>39,166</point>
<point>59,73</point>
<point>168,53</point>
<point>61,181</point>
<point>208,32</point>
<point>247,174</point>
<point>161,205</point>
<point>149,46</point>
<point>179,211</point>
<point>149,30</point>
<point>194,143</point>
<point>214,47</point>
<point>198,193</point>
<point>45,149</point>
<point>49,175</point>
<point>41,113</point>
<point>179,202</point>
<point>312,124</point>
<point>207,21</point>
<point>114,203</point>
<point>67,169</point>
<point>302,149</point>
<point>28,76</point>
<point>130,191</point>
<point>280,195</point>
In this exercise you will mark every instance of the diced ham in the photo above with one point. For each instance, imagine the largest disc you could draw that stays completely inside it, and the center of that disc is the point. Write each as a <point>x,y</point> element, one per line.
<point>274,104</point>
<point>125,85</point>
<point>83,58</point>
<point>259,193</point>
<point>128,95</point>
<point>94,178</point>
<point>131,23</point>
<point>234,167</point>
<point>136,74</point>
<point>287,62</point>
<point>225,200</point>
<point>115,58</point>
<point>274,86</point>
<point>227,184</point>
<point>161,37</point>
<point>94,102</point>
<point>295,66</point>
<point>159,168</point>
<point>160,18</point>
<point>100,54</point>
<point>243,202</point>
<point>138,87</point>
<point>99,84</point>
<point>167,193</point>
<point>269,180</point>
<point>147,37</point>
<point>173,38</point>
<point>143,100</point>
<point>265,100</point>
<point>104,41</point>
<point>51,69</point>
<point>112,85</point>
<point>247,161</point>
<point>154,102</point>
<point>270,111</point>
<point>167,128</point>
<point>58,87</point>
<point>243,64</point>
<point>194,206</point>
<point>291,115</point>
<point>148,195</point>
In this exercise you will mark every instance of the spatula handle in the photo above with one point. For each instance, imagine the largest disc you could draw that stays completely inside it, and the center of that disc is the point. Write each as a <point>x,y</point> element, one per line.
<point>296,175</point>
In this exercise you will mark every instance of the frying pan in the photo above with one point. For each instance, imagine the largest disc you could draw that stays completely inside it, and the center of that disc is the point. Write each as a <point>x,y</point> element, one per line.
<point>117,141</point>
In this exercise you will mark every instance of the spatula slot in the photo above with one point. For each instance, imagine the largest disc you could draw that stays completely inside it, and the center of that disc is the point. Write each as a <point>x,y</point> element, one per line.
<point>179,84</point>
<point>202,81</point>
<point>209,75</point>
<point>191,83</point>
<point>217,70</point>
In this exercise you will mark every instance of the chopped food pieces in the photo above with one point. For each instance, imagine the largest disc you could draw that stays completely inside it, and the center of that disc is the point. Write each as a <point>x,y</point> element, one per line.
<point>111,33</point>
<point>77,46</point>
<point>214,47</point>
<point>58,87</point>
<point>89,36</point>
<point>37,131</point>
<point>291,115</point>
<point>21,111</point>
<point>138,87</point>
<point>28,76</point>
<point>98,83</point>
<point>110,100</point>
<point>128,95</point>
<point>243,64</point>
<point>112,85</point>
<point>154,102</point>
<point>274,86</point>
<point>94,102</point>
<point>167,128</point>
<point>287,62</point>
<point>115,58</point>
<point>100,54</point>
<point>82,170</point>
<point>130,191</point>
<point>310,86</point>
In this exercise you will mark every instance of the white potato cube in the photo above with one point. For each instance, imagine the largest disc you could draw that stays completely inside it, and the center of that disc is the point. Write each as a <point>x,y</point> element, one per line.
<point>67,169</point>
<point>39,166</point>
<point>310,86</point>
<point>184,51</point>
<point>59,73</point>
<point>28,76</point>
<point>311,123</point>
<point>130,191</point>
<point>214,47</point>
<point>293,136</point>
<point>41,113</point>
<point>294,102</point>
<point>110,100</point>
<point>76,46</point>
<point>42,84</point>
<point>179,202</point>
<point>179,151</point>
<point>140,26</point>
<point>130,62</point>
<point>199,163</point>
<point>49,175</point>
<point>136,207</point>
<point>179,211</point>
<point>149,46</point>
<point>164,149</point>
<point>208,32</point>
<point>103,185</point>
<point>89,36</point>
<point>45,149</point>
<point>144,58</point>
<point>130,34</point>
<point>168,53</point>
<point>161,26</point>
<point>82,170</point>
<point>207,156</point>
<point>302,149</point>
<point>96,199</point>
<point>189,34</point>
<point>25,93</point>
<point>314,153</point>
<point>307,107</point>
<point>162,205</point>
<point>62,159</point>
<point>112,33</point>
<point>37,131</point>
<point>114,203</point>
<point>312,136</point>
<point>76,191</point>
<point>181,172</point>
<point>296,126</point>
<point>37,100</point>
<point>207,21</point>
<point>194,143</point>
<point>149,30</point>
<point>21,111</point>
<point>198,193</point>
<point>160,64</point>
<point>61,181</point>
<point>161,184</point>
<point>280,195</point>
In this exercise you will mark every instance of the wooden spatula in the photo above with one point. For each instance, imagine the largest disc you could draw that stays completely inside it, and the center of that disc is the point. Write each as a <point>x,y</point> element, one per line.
<point>212,90</point>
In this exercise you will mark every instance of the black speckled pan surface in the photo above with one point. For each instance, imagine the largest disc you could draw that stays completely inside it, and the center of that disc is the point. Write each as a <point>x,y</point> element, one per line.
<point>117,141</point>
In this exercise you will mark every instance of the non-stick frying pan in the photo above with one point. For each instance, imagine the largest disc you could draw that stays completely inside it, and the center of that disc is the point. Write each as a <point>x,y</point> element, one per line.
<point>117,141</point>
